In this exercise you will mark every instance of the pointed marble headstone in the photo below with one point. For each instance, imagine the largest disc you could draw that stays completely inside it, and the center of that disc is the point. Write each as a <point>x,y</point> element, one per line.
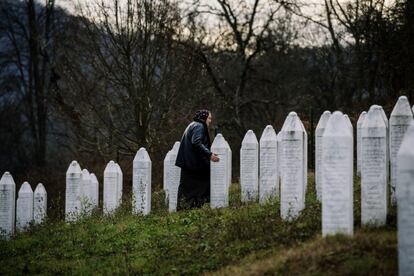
<point>279,146</point>
<point>229,161</point>
<point>373,169</point>
<point>73,191</point>
<point>305,160</point>
<point>172,175</point>
<point>359,142</point>
<point>39,204</point>
<point>24,207</point>
<point>268,176</point>
<point>401,117</point>
<point>320,129</point>
<point>119,185</point>
<point>86,192</point>
<point>405,199</point>
<point>292,186</point>
<point>110,188</point>
<point>337,177</point>
<point>349,123</point>
<point>249,167</point>
<point>219,187</point>
<point>141,182</point>
<point>384,116</point>
<point>7,205</point>
<point>94,191</point>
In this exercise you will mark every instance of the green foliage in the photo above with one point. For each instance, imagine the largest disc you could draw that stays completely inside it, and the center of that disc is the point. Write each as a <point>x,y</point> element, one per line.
<point>187,242</point>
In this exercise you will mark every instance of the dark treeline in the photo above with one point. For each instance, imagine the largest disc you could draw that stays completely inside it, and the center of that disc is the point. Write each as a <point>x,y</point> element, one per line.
<point>117,75</point>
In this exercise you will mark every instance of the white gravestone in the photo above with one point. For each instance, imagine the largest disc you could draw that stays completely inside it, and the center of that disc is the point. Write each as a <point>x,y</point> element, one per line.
<point>337,177</point>
<point>94,191</point>
<point>7,204</point>
<point>268,176</point>
<point>110,188</point>
<point>73,191</point>
<point>119,185</point>
<point>349,123</point>
<point>141,182</point>
<point>219,187</point>
<point>384,116</point>
<point>320,128</point>
<point>172,175</point>
<point>405,206</point>
<point>401,117</point>
<point>292,186</point>
<point>229,161</point>
<point>86,192</point>
<point>24,207</point>
<point>39,204</point>
<point>279,146</point>
<point>373,169</point>
<point>359,143</point>
<point>249,167</point>
<point>305,160</point>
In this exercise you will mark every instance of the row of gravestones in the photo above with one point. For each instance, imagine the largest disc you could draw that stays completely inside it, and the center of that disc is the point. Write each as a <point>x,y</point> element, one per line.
<point>30,207</point>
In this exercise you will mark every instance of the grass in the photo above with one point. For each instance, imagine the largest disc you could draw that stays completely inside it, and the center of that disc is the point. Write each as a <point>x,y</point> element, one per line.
<point>242,238</point>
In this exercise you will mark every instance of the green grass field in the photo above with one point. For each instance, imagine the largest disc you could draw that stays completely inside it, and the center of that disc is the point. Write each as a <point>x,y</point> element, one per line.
<point>242,239</point>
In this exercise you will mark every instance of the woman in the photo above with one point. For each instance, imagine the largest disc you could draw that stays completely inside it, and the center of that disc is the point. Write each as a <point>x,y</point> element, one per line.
<point>193,158</point>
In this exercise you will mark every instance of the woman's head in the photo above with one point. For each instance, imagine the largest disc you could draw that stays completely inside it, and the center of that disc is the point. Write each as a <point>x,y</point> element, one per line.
<point>203,115</point>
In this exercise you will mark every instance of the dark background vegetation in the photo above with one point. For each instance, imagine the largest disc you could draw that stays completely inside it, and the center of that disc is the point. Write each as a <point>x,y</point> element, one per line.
<point>114,76</point>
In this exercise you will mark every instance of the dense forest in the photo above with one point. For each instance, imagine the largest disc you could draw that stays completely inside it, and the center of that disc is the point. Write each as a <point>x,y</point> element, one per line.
<point>99,82</point>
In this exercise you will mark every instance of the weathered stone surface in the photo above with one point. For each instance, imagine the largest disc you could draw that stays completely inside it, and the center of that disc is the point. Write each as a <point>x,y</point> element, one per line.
<point>373,169</point>
<point>141,182</point>
<point>94,191</point>
<point>110,188</point>
<point>349,123</point>
<point>172,175</point>
<point>120,183</point>
<point>401,117</point>
<point>384,116</point>
<point>405,198</point>
<point>268,174</point>
<point>292,189</point>
<point>7,205</point>
<point>359,141</point>
<point>24,207</point>
<point>320,129</point>
<point>249,167</point>
<point>39,204</point>
<point>305,161</point>
<point>73,192</point>
<point>219,183</point>
<point>229,162</point>
<point>86,192</point>
<point>337,177</point>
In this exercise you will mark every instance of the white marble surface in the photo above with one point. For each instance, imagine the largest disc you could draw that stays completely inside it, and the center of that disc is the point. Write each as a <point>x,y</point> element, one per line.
<point>401,117</point>
<point>373,169</point>
<point>337,177</point>
<point>320,129</point>
<point>120,184</point>
<point>73,191</point>
<point>249,167</point>
<point>86,192</point>
<point>94,191</point>
<point>405,206</point>
<point>172,175</point>
<point>24,207</point>
<point>358,141</point>
<point>219,186</point>
<point>268,168</point>
<point>39,204</point>
<point>7,205</point>
<point>141,182</point>
<point>110,188</point>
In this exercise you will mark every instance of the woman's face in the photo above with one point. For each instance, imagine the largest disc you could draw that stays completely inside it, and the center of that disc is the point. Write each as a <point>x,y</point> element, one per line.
<point>208,120</point>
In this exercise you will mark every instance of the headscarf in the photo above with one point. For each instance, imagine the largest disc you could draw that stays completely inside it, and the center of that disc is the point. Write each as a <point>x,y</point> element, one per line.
<point>201,116</point>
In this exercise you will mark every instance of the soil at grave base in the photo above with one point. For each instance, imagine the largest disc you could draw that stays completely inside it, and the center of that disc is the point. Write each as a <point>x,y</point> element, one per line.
<point>368,252</point>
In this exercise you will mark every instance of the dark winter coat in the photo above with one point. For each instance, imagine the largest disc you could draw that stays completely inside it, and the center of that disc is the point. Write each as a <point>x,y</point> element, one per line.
<point>194,152</point>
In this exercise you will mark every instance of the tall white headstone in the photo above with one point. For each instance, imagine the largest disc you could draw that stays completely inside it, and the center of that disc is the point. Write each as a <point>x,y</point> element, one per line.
<point>39,204</point>
<point>320,129</point>
<point>86,192</point>
<point>279,146</point>
<point>7,204</point>
<point>219,187</point>
<point>249,167</point>
<point>401,117</point>
<point>119,185</point>
<point>359,141</point>
<point>337,177</point>
<point>268,176</point>
<point>94,191</point>
<point>229,161</point>
<point>172,175</point>
<point>110,188</point>
<point>73,191</point>
<point>373,169</point>
<point>384,116</point>
<point>292,186</point>
<point>141,182</point>
<point>305,160</point>
<point>24,207</point>
<point>405,206</point>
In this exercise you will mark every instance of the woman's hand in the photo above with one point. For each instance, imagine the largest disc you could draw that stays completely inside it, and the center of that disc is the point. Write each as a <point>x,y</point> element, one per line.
<point>214,157</point>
